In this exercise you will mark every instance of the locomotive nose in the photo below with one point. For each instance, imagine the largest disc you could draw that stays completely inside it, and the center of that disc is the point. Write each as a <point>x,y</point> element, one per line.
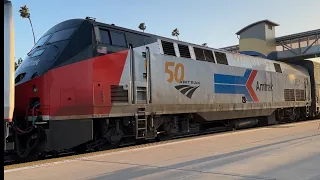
<point>30,99</point>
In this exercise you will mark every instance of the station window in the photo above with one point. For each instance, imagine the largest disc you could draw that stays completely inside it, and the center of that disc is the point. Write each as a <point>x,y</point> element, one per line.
<point>184,51</point>
<point>168,48</point>
<point>221,58</point>
<point>277,67</point>
<point>118,39</point>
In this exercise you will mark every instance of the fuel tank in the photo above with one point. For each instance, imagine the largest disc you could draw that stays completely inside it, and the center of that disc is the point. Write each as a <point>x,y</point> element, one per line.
<point>245,123</point>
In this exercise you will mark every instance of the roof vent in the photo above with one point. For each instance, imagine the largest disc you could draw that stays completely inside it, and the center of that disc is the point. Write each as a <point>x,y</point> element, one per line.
<point>91,18</point>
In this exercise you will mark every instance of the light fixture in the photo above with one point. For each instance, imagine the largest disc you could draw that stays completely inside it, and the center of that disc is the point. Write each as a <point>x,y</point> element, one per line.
<point>34,89</point>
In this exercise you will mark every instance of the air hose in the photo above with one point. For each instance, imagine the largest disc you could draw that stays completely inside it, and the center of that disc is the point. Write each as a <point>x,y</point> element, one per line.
<point>34,119</point>
<point>31,135</point>
<point>28,129</point>
<point>37,137</point>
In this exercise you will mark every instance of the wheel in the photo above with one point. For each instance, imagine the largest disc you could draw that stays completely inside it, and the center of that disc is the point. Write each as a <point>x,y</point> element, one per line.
<point>298,114</point>
<point>114,137</point>
<point>80,149</point>
<point>292,116</point>
<point>164,137</point>
<point>55,154</point>
<point>280,115</point>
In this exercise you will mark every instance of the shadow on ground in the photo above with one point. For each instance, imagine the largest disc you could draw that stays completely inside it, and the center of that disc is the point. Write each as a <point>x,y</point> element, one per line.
<point>199,165</point>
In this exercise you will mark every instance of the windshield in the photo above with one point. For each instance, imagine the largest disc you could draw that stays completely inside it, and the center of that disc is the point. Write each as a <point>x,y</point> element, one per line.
<point>61,35</point>
<point>57,36</point>
<point>43,54</point>
<point>49,48</point>
<point>38,53</point>
<point>41,41</point>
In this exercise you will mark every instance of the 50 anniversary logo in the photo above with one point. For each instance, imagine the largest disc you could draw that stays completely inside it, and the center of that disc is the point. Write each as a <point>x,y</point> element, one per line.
<point>176,74</point>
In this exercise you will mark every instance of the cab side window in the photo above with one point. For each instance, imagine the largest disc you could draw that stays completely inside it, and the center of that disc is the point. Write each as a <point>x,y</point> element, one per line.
<point>111,37</point>
<point>118,39</point>
<point>105,36</point>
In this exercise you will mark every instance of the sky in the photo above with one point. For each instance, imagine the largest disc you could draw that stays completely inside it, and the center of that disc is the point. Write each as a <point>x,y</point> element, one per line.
<point>212,21</point>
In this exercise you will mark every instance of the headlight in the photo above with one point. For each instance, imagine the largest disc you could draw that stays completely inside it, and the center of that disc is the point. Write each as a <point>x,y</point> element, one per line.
<point>35,89</point>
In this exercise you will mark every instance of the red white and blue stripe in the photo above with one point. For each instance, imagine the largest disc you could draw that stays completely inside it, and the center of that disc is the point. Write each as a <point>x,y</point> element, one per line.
<point>230,84</point>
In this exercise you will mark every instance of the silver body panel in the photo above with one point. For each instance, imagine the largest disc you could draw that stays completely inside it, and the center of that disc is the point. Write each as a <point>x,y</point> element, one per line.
<point>163,96</point>
<point>199,76</point>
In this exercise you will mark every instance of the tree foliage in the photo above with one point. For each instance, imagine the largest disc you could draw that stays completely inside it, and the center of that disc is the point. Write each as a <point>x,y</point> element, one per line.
<point>24,13</point>
<point>176,33</point>
<point>17,64</point>
<point>142,26</point>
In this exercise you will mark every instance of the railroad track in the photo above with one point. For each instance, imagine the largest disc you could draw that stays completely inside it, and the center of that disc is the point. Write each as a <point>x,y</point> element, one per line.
<point>124,147</point>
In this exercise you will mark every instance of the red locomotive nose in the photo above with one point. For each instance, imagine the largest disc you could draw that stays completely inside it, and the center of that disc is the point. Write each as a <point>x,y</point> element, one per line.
<point>30,96</point>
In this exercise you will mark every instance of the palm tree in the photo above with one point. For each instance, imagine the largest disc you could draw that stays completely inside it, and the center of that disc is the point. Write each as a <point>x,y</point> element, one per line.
<point>24,13</point>
<point>17,64</point>
<point>142,26</point>
<point>176,33</point>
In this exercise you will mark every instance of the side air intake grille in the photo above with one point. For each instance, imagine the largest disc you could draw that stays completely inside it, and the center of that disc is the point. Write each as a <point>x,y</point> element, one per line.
<point>289,95</point>
<point>184,51</point>
<point>118,94</point>
<point>221,58</point>
<point>300,95</point>
<point>168,48</point>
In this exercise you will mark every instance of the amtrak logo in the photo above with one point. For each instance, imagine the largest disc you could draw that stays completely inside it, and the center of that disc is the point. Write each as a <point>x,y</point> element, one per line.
<point>187,90</point>
<point>229,84</point>
<point>176,75</point>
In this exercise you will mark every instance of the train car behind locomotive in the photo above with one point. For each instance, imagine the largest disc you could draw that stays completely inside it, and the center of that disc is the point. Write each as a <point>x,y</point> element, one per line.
<point>86,84</point>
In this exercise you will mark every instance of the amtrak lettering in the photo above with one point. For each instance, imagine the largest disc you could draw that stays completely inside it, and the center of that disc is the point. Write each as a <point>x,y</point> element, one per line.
<point>264,87</point>
<point>31,63</point>
<point>190,82</point>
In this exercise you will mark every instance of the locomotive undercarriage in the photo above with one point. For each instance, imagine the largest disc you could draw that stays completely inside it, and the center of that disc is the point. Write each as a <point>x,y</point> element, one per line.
<point>112,132</point>
<point>286,115</point>
<point>56,137</point>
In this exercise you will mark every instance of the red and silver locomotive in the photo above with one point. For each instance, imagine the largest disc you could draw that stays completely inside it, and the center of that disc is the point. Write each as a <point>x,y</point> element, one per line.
<point>85,85</point>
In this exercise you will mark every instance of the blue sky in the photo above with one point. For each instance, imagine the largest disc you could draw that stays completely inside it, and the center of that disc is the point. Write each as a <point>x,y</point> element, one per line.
<point>211,21</point>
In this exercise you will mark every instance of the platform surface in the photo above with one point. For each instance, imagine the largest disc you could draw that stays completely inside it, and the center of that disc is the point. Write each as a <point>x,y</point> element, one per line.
<point>284,152</point>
